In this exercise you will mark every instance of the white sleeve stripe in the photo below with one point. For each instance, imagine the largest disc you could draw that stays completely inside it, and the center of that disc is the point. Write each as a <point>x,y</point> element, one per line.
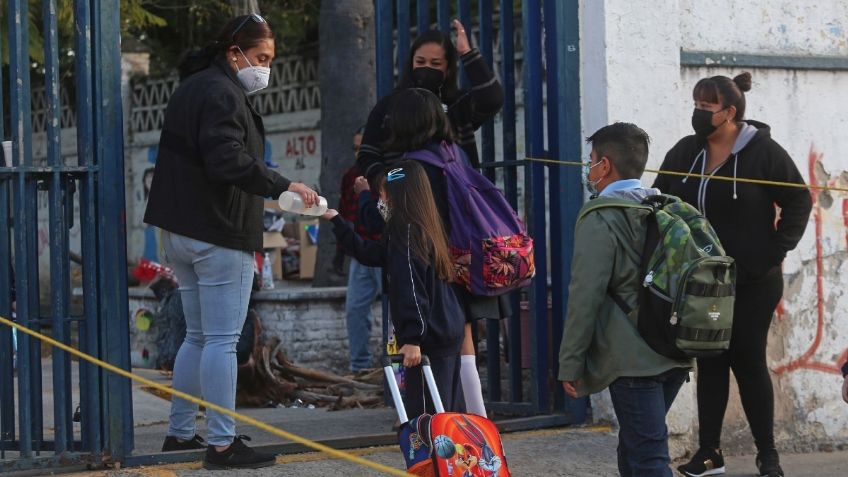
<point>412,279</point>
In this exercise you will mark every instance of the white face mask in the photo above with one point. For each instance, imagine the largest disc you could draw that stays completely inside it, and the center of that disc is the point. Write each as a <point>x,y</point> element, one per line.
<point>383,208</point>
<point>253,78</point>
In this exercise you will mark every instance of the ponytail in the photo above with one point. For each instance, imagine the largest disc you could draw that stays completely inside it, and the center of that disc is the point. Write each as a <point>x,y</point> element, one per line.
<point>239,31</point>
<point>197,60</point>
<point>725,91</point>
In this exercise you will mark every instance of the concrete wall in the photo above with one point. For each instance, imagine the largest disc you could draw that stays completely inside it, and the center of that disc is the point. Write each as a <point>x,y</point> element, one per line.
<point>633,73</point>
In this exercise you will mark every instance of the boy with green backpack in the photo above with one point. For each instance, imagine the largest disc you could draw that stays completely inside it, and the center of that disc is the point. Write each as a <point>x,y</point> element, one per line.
<point>650,289</point>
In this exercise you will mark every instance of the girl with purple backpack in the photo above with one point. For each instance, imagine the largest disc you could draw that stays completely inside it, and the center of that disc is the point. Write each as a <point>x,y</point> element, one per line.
<point>420,130</point>
<point>415,258</point>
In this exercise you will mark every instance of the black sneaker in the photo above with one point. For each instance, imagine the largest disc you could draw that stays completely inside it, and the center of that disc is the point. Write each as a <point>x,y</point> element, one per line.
<point>237,456</point>
<point>173,444</point>
<point>768,464</point>
<point>705,462</point>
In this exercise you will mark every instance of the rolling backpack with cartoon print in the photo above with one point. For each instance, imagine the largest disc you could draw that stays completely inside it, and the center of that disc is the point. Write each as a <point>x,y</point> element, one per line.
<point>491,250</point>
<point>446,444</point>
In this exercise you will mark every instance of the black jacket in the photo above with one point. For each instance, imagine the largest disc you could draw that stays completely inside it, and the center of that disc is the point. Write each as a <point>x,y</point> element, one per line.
<point>743,214</point>
<point>423,308</point>
<point>467,113</point>
<point>210,176</point>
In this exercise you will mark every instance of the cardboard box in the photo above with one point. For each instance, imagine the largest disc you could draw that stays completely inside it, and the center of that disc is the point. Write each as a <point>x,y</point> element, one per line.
<point>272,205</point>
<point>290,230</point>
<point>308,248</point>
<point>273,240</point>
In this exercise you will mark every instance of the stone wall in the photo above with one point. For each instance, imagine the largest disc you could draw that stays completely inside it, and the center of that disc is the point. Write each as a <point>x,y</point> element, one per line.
<point>309,322</point>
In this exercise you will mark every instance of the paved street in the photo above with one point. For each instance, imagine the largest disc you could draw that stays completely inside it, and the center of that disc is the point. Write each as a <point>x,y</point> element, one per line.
<point>560,452</point>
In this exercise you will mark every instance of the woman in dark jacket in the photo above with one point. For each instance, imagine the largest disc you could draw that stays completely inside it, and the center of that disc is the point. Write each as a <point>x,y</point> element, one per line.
<point>432,65</point>
<point>743,215</point>
<point>207,192</point>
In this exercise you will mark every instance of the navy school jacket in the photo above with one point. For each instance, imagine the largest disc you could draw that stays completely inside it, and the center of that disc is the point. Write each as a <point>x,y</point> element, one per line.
<point>422,307</point>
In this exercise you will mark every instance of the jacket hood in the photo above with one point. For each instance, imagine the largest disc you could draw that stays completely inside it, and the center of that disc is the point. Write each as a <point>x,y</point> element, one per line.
<point>750,132</point>
<point>637,194</point>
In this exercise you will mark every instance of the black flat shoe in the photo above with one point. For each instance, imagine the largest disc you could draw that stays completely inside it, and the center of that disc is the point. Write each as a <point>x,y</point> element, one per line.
<point>237,456</point>
<point>173,444</point>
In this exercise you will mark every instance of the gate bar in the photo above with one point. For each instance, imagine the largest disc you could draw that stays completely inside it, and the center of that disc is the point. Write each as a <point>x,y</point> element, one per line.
<point>91,425</point>
<point>508,118</point>
<point>535,193</point>
<point>422,17</point>
<point>7,382</point>
<point>59,267</point>
<point>443,13</point>
<point>21,155</point>
<point>403,23</point>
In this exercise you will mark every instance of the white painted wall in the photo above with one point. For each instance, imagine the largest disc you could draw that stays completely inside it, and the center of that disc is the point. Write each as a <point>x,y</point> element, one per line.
<point>631,72</point>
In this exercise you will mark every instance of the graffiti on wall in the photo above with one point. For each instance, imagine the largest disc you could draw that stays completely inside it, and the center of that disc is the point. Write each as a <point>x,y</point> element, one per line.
<point>810,359</point>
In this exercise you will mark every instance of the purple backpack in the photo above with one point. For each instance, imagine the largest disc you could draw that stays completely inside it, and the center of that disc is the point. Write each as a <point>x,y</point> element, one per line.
<point>492,253</point>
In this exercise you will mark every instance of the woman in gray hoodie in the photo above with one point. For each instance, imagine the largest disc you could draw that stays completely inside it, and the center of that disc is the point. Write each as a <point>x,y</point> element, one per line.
<point>743,215</point>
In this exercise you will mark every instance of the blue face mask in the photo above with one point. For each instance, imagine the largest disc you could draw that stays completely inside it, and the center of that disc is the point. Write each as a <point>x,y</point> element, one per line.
<point>591,186</point>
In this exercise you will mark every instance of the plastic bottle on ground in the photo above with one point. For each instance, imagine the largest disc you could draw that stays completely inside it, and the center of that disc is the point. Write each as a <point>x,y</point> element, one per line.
<point>267,274</point>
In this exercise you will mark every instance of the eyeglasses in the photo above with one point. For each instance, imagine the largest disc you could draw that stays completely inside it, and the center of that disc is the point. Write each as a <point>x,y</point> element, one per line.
<point>253,16</point>
<point>395,174</point>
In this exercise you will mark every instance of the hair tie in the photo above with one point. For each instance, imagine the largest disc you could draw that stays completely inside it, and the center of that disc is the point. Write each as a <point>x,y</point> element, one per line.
<point>395,174</point>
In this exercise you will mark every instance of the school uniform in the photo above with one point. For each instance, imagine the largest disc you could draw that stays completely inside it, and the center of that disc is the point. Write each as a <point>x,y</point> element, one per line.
<point>423,309</point>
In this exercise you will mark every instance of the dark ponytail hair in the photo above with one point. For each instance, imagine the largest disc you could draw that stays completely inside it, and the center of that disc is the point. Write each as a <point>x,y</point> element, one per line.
<point>725,91</point>
<point>450,88</point>
<point>416,119</point>
<point>250,34</point>
<point>414,220</point>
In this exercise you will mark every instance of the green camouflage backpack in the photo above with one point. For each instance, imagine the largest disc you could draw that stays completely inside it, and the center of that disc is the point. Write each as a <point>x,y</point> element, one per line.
<point>685,304</point>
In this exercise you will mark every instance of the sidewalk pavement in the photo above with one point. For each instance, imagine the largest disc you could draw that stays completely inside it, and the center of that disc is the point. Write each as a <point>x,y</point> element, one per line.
<point>557,452</point>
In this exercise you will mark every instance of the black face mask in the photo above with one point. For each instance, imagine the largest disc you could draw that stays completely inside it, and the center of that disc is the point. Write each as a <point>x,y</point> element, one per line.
<point>428,78</point>
<point>702,123</point>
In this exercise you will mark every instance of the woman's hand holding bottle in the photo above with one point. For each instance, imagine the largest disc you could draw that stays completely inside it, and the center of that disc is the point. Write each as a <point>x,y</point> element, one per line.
<point>309,196</point>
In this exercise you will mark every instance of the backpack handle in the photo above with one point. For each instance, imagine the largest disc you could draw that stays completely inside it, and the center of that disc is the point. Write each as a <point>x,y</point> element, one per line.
<point>659,201</point>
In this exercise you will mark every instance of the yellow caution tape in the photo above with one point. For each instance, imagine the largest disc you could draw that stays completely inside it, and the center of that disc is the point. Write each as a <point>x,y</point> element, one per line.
<point>240,417</point>
<point>740,180</point>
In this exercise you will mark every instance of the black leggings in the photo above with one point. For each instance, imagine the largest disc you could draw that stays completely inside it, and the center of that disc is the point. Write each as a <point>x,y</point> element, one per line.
<point>752,316</point>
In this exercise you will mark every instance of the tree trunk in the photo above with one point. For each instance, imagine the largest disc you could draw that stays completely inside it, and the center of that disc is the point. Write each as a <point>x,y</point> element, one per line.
<point>348,85</point>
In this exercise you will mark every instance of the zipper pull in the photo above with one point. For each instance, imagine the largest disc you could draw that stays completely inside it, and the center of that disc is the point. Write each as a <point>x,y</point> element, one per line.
<point>649,279</point>
<point>673,319</point>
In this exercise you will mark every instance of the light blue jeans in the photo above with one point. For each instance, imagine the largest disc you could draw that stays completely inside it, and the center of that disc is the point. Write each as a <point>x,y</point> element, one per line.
<point>363,285</point>
<point>215,284</point>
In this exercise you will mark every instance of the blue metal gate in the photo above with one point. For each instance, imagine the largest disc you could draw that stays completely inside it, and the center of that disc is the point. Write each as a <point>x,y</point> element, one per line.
<point>86,192</point>
<point>552,194</point>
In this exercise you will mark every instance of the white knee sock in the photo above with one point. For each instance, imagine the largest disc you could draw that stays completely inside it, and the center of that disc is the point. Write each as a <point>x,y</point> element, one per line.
<point>471,385</point>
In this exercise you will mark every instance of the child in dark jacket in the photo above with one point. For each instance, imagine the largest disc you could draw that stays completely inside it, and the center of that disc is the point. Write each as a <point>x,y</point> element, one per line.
<point>414,255</point>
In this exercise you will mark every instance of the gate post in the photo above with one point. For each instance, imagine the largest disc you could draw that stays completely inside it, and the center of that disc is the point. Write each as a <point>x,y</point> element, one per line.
<point>565,46</point>
<point>112,250</point>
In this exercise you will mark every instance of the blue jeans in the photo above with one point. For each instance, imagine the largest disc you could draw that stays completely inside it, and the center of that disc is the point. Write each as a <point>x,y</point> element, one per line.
<point>215,284</point>
<point>640,406</point>
<point>363,285</point>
